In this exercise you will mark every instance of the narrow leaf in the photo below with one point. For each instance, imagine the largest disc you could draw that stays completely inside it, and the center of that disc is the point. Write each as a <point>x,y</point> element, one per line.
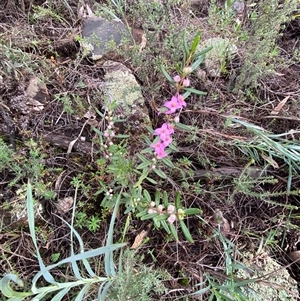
<point>198,92</point>
<point>30,211</point>
<point>165,226</point>
<point>151,180</point>
<point>173,231</point>
<point>195,43</point>
<point>167,76</point>
<point>160,173</point>
<point>147,195</point>
<point>186,231</point>
<point>183,127</point>
<point>185,45</point>
<point>197,63</point>
<point>168,162</point>
<point>144,165</point>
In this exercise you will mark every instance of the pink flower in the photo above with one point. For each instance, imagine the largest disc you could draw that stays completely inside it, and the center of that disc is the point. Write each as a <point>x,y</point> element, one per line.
<point>181,101</point>
<point>186,82</point>
<point>160,208</point>
<point>177,79</point>
<point>167,141</point>
<point>160,153</point>
<point>176,102</point>
<point>157,145</point>
<point>170,209</point>
<point>172,218</point>
<point>165,130</point>
<point>172,105</point>
<point>151,211</point>
<point>171,128</point>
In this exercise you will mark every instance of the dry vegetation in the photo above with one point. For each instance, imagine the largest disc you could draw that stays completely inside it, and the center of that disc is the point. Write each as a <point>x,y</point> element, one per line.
<point>247,189</point>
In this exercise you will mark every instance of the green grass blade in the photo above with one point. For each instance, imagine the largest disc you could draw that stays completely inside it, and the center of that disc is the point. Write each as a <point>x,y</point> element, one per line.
<point>30,211</point>
<point>81,294</point>
<point>198,92</point>
<point>103,289</point>
<point>7,290</point>
<point>61,294</point>
<point>108,257</point>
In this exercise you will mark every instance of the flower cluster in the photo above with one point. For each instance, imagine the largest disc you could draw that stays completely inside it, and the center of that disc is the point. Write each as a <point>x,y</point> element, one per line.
<point>164,132</point>
<point>170,210</point>
<point>108,134</point>
<point>160,209</point>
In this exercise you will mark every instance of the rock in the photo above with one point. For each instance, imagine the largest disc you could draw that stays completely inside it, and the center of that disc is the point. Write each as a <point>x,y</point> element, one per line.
<point>37,90</point>
<point>122,88</point>
<point>15,213</point>
<point>100,34</point>
<point>216,58</point>
<point>275,282</point>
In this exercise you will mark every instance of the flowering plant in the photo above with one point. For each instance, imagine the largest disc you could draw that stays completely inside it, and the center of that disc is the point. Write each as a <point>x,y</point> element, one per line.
<point>117,170</point>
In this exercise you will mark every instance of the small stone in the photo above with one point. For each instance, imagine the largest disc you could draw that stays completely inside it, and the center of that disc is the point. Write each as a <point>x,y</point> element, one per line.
<point>37,90</point>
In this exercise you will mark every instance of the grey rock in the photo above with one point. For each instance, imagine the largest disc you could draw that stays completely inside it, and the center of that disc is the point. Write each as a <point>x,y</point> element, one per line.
<point>100,34</point>
<point>275,282</point>
<point>122,89</point>
<point>216,58</point>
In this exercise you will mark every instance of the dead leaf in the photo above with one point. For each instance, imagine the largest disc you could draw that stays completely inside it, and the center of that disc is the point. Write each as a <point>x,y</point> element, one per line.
<point>139,239</point>
<point>143,43</point>
<point>278,108</point>
<point>271,161</point>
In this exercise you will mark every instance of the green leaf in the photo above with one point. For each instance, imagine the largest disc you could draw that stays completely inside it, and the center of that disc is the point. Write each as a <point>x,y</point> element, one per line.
<point>168,162</point>
<point>148,150</point>
<point>165,199</point>
<point>173,148</point>
<point>6,289</point>
<point>160,173</point>
<point>165,226</point>
<point>204,51</point>
<point>195,43</point>
<point>173,231</point>
<point>142,158</point>
<point>149,216</point>
<point>61,294</point>
<point>183,127</point>
<point>167,76</point>
<point>30,211</point>
<point>185,45</point>
<point>197,63</point>
<point>156,223</point>
<point>147,195</point>
<point>157,197</point>
<point>81,294</point>
<point>151,180</point>
<point>143,165</point>
<point>192,211</point>
<point>177,201</point>
<point>186,231</point>
<point>192,90</point>
<point>186,94</point>
<point>122,136</point>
